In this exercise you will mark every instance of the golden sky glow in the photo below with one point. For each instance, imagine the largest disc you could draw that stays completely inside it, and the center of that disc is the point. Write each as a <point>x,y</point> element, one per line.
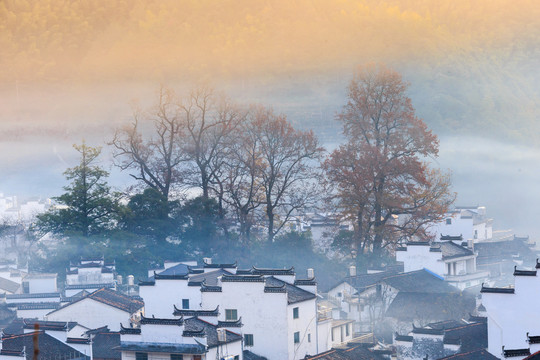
<point>51,40</point>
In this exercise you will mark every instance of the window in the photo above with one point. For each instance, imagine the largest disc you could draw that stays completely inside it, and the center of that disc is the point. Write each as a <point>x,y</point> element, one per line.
<point>339,294</point>
<point>248,339</point>
<point>449,221</point>
<point>347,330</point>
<point>141,356</point>
<point>295,313</point>
<point>332,331</point>
<point>231,314</point>
<point>297,337</point>
<point>185,303</point>
<point>308,337</point>
<point>197,357</point>
<point>177,357</point>
<point>237,357</point>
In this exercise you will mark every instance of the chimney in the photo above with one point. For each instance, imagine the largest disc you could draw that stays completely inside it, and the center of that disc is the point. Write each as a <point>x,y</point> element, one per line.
<point>352,270</point>
<point>130,280</point>
<point>310,273</point>
<point>470,244</point>
<point>119,279</point>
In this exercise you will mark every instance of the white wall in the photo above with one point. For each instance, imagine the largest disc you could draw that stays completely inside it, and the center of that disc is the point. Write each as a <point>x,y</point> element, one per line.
<point>306,324</point>
<point>263,314</point>
<point>511,316</point>
<point>41,285</point>
<point>160,298</point>
<point>92,314</point>
<point>418,257</point>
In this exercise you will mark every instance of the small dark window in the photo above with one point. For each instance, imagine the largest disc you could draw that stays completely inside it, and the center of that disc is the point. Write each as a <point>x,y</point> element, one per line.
<point>332,331</point>
<point>185,303</point>
<point>141,356</point>
<point>295,312</point>
<point>347,330</point>
<point>308,337</point>
<point>177,357</point>
<point>448,221</point>
<point>231,314</point>
<point>297,337</point>
<point>248,339</point>
<point>339,294</point>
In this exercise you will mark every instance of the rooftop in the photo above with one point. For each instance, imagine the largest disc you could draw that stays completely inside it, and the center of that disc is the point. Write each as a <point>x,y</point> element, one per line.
<point>294,293</point>
<point>168,348</point>
<point>49,347</point>
<point>111,298</point>
<point>210,330</point>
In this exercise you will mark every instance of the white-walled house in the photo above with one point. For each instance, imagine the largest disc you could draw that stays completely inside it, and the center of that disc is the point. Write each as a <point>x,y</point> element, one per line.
<point>455,262</point>
<point>90,275</point>
<point>513,323</point>
<point>470,222</point>
<point>179,338</point>
<point>269,303</point>
<point>103,307</point>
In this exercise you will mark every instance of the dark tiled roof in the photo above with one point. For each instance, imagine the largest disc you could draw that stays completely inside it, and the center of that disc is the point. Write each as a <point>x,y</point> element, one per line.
<point>419,281</point>
<point>162,347</point>
<point>294,293</point>
<point>410,306</point>
<point>533,339</point>
<point>77,340</point>
<point>524,272</point>
<point>237,323</point>
<point>8,285</point>
<point>210,330</point>
<point>36,306</point>
<point>162,276</point>
<point>363,281</point>
<point>516,352</point>
<point>180,269</point>
<point>205,288</point>
<point>220,266</point>
<point>129,330</point>
<point>49,325</point>
<point>305,282</point>
<point>451,237</point>
<point>103,345</point>
<point>242,278</point>
<point>111,298</point>
<point>261,271</point>
<point>49,347</point>
<point>497,290</point>
<point>403,338</point>
<point>450,250</point>
<point>90,286</point>
<point>33,296</point>
<point>478,354</point>
<point>248,355</point>
<point>158,321</point>
<point>187,312</point>
<point>209,278</point>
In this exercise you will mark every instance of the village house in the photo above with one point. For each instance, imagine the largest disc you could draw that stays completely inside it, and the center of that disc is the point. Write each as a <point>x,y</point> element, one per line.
<point>444,339</point>
<point>450,258</point>
<point>470,222</point>
<point>90,275</point>
<point>513,329</point>
<point>103,307</point>
<point>179,338</point>
<point>269,303</point>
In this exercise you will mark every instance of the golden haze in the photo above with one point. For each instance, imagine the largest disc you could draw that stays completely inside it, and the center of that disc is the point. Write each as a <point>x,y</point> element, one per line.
<point>83,40</point>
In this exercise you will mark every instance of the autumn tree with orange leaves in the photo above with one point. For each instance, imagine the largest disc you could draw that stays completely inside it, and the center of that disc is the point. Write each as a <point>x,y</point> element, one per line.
<point>380,178</point>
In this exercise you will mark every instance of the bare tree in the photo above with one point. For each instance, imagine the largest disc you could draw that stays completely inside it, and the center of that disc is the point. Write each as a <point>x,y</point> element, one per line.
<point>155,159</point>
<point>243,187</point>
<point>209,122</point>
<point>286,167</point>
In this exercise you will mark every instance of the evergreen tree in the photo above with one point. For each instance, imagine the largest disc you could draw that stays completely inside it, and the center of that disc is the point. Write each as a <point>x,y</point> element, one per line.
<point>87,207</point>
